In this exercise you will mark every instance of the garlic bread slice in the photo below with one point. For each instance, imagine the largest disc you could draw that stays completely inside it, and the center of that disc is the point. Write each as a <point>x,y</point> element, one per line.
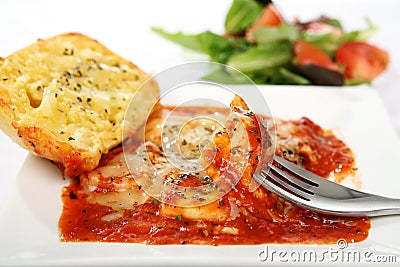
<point>64,98</point>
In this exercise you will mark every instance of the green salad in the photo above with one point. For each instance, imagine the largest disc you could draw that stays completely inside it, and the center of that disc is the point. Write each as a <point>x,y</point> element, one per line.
<point>269,49</point>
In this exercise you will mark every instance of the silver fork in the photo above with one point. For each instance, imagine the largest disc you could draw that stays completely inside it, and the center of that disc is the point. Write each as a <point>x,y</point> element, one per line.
<point>314,192</point>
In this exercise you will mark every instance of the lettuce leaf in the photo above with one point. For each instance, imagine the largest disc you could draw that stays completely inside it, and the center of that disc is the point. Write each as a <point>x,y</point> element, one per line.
<point>362,35</point>
<point>241,15</point>
<point>262,56</point>
<point>265,35</point>
<point>218,47</point>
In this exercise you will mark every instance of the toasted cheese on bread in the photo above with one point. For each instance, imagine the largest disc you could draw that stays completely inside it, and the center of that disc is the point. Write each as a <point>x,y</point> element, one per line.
<point>65,98</point>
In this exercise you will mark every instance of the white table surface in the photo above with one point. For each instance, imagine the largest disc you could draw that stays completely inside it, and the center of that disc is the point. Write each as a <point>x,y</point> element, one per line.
<point>124,26</point>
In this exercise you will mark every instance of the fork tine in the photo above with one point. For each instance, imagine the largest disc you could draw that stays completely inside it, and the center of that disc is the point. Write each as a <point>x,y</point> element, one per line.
<point>295,182</point>
<point>329,197</point>
<point>284,189</point>
<point>319,185</point>
<point>278,190</point>
<point>308,176</point>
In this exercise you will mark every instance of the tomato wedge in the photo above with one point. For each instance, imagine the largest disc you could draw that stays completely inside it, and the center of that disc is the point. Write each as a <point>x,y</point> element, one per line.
<point>362,61</point>
<point>307,53</point>
<point>269,17</point>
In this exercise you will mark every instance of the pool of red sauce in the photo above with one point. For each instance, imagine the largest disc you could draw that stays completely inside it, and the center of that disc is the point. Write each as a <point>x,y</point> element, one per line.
<point>265,221</point>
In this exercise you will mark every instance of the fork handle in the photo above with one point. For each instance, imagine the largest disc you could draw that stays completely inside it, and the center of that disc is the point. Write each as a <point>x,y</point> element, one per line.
<point>380,206</point>
<point>368,205</point>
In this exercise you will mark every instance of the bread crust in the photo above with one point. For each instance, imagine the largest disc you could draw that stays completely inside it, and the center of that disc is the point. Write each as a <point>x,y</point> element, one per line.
<point>64,99</point>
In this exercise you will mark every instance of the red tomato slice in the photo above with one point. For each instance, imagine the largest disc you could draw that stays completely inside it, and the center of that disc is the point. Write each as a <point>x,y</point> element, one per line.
<point>269,17</point>
<point>362,61</point>
<point>307,53</point>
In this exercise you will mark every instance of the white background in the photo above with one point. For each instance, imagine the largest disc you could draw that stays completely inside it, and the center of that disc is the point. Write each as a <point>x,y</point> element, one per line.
<point>124,26</point>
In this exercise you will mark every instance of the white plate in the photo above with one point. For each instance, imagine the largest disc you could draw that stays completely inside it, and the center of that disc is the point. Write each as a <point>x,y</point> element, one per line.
<point>124,27</point>
<point>28,219</point>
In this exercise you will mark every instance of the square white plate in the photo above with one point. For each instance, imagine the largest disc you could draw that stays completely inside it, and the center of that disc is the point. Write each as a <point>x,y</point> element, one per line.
<point>29,217</point>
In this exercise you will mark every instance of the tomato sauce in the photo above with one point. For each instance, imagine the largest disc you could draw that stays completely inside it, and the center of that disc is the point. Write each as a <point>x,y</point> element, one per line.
<point>263,217</point>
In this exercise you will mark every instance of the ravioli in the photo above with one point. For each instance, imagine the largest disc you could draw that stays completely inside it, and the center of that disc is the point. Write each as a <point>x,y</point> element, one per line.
<point>139,195</point>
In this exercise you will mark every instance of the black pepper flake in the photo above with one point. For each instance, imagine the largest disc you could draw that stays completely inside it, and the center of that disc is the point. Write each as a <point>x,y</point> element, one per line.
<point>72,195</point>
<point>184,143</point>
<point>68,52</point>
<point>66,74</point>
<point>71,138</point>
<point>88,100</point>
<point>5,79</point>
<point>84,211</point>
<point>79,99</point>
<point>221,203</point>
<point>183,242</point>
<point>248,114</point>
<point>358,230</point>
<point>78,74</point>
